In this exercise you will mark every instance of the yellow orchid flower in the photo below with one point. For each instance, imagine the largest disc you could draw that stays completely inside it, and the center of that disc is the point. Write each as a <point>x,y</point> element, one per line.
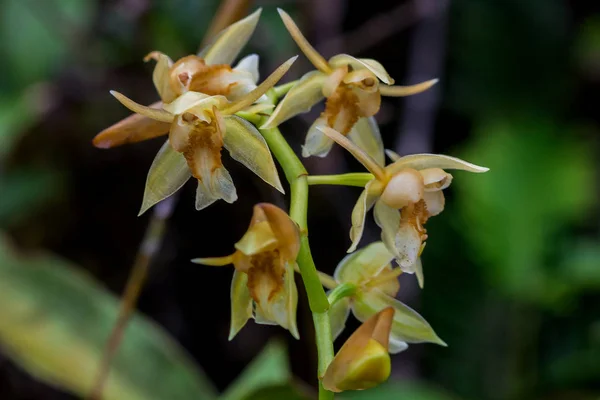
<point>375,279</point>
<point>263,284</point>
<point>363,361</point>
<point>353,92</point>
<point>200,126</point>
<point>405,194</point>
<point>208,72</point>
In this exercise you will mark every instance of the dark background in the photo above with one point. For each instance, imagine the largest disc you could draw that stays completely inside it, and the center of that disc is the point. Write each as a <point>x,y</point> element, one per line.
<point>512,266</point>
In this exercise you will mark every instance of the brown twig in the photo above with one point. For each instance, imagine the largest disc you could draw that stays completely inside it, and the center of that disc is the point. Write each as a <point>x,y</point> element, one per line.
<point>148,248</point>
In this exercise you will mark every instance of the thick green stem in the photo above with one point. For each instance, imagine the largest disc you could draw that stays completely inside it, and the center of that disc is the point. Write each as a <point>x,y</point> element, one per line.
<point>296,175</point>
<point>359,179</point>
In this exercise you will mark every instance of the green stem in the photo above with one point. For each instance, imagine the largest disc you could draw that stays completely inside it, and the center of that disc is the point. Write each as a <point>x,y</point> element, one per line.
<point>296,175</point>
<point>359,179</point>
<point>341,291</point>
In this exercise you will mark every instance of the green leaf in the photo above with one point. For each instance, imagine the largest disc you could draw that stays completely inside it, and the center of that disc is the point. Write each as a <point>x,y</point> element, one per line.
<point>54,323</point>
<point>398,391</point>
<point>269,368</point>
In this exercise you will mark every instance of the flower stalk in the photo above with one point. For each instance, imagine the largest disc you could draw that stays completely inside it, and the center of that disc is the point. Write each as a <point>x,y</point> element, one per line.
<point>296,176</point>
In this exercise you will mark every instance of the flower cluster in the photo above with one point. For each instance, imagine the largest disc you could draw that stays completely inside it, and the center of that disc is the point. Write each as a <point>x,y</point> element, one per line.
<point>206,105</point>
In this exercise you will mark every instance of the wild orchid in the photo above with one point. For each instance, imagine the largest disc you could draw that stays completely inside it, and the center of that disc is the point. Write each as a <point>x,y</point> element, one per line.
<point>207,106</point>
<point>353,88</point>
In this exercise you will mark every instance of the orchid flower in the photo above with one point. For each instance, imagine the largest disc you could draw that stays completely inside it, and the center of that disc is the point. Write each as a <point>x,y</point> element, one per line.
<point>405,194</point>
<point>208,72</point>
<point>363,361</point>
<point>353,92</point>
<point>376,284</point>
<point>263,284</point>
<point>200,126</point>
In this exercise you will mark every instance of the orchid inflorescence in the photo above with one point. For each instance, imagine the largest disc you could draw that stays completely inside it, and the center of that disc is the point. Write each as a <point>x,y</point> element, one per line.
<point>207,105</point>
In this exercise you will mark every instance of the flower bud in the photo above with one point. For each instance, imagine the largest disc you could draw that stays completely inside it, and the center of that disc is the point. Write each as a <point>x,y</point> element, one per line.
<point>363,361</point>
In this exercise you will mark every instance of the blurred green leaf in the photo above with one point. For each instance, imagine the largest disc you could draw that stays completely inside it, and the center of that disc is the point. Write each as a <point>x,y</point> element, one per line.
<point>269,368</point>
<point>278,392</point>
<point>398,391</point>
<point>54,322</point>
<point>541,181</point>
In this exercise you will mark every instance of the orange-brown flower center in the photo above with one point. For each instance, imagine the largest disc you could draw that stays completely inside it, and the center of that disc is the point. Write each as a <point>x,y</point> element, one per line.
<point>265,275</point>
<point>207,139</point>
<point>416,215</point>
<point>341,109</point>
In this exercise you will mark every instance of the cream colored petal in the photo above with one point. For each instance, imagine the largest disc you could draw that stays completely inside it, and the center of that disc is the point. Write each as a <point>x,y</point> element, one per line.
<point>364,264</point>
<point>388,219</point>
<point>246,145</point>
<point>423,161</point>
<point>168,173</point>
<point>226,46</point>
<point>396,345</point>
<point>407,326</point>
<point>338,314</point>
<point>214,261</point>
<point>435,202</point>
<point>241,303</point>
<point>360,63</point>
<point>317,143</point>
<point>333,80</point>
<point>368,102</point>
<point>300,99</point>
<point>281,309</point>
<point>194,101</point>
<point>156,114</point>
<point>179,134</point>
<point>249,64</point>
<point>161,75</point>
<point>365,134</point>
<point>404,188</point>
<point>435,179</point>
<point>258,238</point>
<point>132,129</point>
<point>260,90</point>
<point>285,229</point>
<point>313,56</point>
<point>363,205</point>
<point>408,244</point>
<point>401,91</point>
<point>219,185</point>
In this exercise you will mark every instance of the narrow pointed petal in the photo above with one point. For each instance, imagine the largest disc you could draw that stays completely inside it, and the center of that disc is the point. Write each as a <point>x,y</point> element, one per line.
<point>423,161</point>
<point>300,99</point>
<point>258,238</point>
<point>407,326</point>
<point>156,114</point>
<point>254,95</point>
<point>388,219</point>
<point>218,185</point>
<point>132,129</point>
<point>359,63</point>
<point>392,155</point>
<point>247,146</point>
<point>356,151</point>
<point>241,303</point>
<point>214,261</point>
<point>419,272</point>
<point>258,108</point>
<point>359,212</point>
<point>226,46</point>
<point>363,361</point>
<point>168,173</point>
<point>190,101</point>
<point>401,91</point>
<point>364,264</point>
<point>338,314</point>
<point>365,134</point>
<point>249,64</point>
<point>161,75</point>
<point>313,56</point>
<point>317,143</point>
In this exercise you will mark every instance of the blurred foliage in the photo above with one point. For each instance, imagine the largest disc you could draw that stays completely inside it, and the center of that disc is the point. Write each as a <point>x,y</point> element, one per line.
<point>54,322</point>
